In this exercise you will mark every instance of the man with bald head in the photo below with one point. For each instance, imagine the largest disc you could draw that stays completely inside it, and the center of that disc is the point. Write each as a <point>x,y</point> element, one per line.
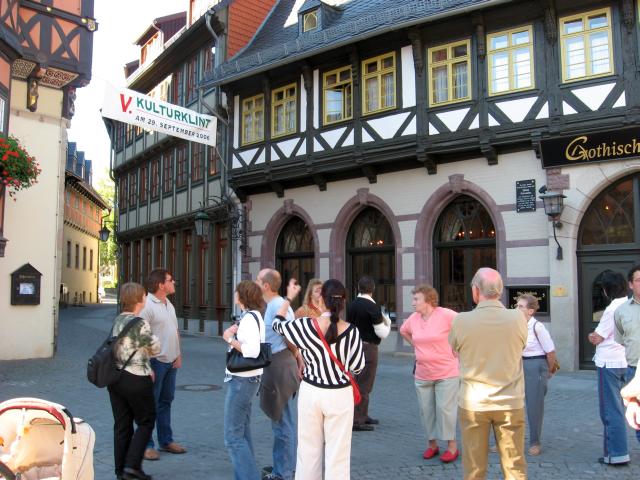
<point>280,381</point>
<point>489,342</point>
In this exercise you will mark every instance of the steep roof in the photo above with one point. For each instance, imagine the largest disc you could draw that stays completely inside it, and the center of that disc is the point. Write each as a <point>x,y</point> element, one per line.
<point>278,42</point>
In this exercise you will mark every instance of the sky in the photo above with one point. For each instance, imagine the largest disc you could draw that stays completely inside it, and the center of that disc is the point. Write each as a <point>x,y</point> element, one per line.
<point>120,22</point>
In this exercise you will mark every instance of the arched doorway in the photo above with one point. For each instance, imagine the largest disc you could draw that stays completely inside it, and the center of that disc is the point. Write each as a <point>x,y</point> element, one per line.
<point>464,240</point>
<point>295,256</point>
<point>608,239</point>
<point>371,251</point>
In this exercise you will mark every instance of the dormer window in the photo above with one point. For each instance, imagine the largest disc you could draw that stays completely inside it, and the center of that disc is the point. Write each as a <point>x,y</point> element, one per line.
<point>310,21</point>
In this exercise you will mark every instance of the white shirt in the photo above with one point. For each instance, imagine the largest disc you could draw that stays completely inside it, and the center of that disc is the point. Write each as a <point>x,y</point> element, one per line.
<point>533,347</point>
<point>609,354</point>
<point>250,335</point>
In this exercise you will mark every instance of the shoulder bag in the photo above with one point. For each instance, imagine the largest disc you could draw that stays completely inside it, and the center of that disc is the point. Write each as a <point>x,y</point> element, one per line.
<point>356,390</point>
<point>101,367</point>
<point>556,366</point>
<point>236,362</point>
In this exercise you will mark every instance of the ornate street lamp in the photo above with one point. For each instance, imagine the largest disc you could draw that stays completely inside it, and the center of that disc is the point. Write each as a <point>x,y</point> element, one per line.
<point>104,233</point>
<point>553,205</point>
<point>223,209</point>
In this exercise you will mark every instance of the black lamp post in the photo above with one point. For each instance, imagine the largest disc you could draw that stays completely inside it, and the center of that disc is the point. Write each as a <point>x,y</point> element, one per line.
<point>553,205</point>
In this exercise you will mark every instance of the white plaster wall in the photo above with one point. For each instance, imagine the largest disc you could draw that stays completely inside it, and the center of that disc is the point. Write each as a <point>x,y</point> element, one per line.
<point>525,225</point>
<point>196,197</point>
<point>324,236</point>
<point>324,268</point>
<point>28,331</point>
<point>181,203</point>
<point>528,262</point>
<point>408,266</point>
<point>255,243</point>
<point>407,232</point>
<point>154,212</point>
<point>167,207</point>
<point>408,77</point>
<point>143,215</point>
<point>254,269</point>
<point>133,218</point>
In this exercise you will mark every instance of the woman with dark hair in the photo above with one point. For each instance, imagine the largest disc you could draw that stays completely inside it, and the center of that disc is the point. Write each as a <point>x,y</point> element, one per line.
<point>243,386</point>
<point>325,402</point>
<point>611,363</point>
<point>131,396</point>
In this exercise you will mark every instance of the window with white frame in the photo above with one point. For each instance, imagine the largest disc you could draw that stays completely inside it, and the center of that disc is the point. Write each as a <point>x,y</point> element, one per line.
<point>586,45</point>
<point>510,60</point>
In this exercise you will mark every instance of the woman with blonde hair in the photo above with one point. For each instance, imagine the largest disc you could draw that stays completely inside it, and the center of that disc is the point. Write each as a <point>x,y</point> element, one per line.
<point>437,373</point>
<point>311,302</point>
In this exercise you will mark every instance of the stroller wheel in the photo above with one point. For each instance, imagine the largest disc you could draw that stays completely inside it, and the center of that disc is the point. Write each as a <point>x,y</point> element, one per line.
<point>6,473</point>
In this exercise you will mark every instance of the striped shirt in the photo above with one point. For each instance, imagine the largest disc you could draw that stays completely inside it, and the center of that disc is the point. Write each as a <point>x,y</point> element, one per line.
<point>319,369</point>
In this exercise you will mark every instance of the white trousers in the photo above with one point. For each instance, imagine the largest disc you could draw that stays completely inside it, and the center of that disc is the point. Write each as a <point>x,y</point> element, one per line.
<point>325,418</point>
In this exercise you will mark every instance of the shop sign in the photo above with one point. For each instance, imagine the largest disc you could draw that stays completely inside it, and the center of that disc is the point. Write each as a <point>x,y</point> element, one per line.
<point>135,108</point>
<point>538,291</point>
<point>591,147</point>
<point>526,195</point>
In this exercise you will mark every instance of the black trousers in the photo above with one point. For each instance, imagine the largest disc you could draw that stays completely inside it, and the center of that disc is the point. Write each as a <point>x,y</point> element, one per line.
<point>365,381</point>
<point>131,401</point>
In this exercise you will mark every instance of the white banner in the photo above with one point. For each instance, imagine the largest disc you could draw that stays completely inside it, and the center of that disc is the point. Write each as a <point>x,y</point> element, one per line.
<point>134,108</point>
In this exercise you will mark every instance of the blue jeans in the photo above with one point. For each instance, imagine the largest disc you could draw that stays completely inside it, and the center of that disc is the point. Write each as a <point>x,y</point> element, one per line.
<point>610,381</point>
<point>237,426</point>
<point>631,372</point>
<point>284,443</point>
<point>164,388</point>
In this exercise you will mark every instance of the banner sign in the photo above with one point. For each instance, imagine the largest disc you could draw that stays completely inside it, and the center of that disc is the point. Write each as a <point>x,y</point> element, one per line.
<point>135,108</point>
<point>591,147</point>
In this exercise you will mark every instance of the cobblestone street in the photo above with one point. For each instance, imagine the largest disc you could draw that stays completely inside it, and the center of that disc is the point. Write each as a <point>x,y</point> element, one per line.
<point>572,434</point>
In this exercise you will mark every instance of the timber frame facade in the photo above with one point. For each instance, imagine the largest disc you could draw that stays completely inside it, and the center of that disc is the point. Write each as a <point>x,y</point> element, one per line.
<point>391,139</point>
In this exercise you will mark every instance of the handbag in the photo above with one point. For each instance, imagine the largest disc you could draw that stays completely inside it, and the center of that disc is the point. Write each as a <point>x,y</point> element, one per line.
<point>556,365</point>
<point>236,362</point>
<point>357,398</point>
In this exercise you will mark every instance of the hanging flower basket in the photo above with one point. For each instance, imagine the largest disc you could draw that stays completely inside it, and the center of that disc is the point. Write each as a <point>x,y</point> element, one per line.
<point>18,169</point>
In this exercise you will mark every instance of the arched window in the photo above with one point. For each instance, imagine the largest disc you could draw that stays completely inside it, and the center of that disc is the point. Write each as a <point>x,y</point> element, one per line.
<point>371,251</point>
<point>295,255</point>
<point>464,240</point>
<point>608,240</point>
<point>610,217</point>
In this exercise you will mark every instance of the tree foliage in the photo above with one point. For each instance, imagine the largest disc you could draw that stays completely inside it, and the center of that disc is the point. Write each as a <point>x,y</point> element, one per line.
<point>109,249</point>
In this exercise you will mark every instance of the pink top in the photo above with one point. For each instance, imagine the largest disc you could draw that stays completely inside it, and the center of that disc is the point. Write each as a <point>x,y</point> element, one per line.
<point>435,359</point>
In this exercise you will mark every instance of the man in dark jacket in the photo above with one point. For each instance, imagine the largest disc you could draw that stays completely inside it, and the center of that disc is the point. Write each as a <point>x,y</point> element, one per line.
<point>367,316</point>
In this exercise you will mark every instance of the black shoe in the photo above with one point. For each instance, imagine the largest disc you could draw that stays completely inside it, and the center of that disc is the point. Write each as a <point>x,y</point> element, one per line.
<point>372,421</point>
<point>602,461</point>
<point>135,474</point>
<point>362,427</point>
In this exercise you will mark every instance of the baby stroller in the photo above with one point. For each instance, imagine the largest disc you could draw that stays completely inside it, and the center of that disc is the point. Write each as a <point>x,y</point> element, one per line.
<point>41,440</point>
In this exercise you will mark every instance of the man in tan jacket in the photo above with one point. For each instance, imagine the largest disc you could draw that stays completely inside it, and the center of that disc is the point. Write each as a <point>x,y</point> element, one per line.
<point>489,341</point>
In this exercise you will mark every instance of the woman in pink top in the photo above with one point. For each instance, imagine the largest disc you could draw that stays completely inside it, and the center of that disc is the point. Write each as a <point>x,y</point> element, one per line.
<point>436,375</point>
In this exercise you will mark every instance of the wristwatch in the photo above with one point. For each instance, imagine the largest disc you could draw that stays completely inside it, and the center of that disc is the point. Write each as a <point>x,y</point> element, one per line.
<point>229,340</point>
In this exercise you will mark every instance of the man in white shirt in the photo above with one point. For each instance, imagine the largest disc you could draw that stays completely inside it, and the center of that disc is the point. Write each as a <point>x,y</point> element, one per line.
<point>161,315</point>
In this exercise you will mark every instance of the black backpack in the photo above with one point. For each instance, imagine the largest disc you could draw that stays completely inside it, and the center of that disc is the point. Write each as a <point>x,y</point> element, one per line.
<point>101,368</point>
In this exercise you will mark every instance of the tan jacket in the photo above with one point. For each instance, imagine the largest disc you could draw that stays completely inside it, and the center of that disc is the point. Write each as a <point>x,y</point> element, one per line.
<point>489,341</point>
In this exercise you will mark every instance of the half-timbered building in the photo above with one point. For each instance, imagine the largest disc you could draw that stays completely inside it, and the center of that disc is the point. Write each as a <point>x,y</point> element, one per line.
<point>163,183</point>
<point>408,141</point>
<point>45,54</point>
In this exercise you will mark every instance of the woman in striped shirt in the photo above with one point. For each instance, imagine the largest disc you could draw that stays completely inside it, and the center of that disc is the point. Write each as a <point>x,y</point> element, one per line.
<point>325,402</point>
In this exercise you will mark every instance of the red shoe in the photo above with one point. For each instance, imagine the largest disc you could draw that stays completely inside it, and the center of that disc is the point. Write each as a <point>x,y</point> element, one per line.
<point>430,453</point>
<point>448,457</point>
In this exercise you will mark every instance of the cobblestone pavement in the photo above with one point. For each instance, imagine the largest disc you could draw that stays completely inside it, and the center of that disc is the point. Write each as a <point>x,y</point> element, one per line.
<point>572,436</point>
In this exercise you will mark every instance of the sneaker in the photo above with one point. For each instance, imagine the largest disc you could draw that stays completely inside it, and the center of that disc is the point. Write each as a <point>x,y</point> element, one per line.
<point>151,454</point>
<point>271,476</point>
<point>362,427</point>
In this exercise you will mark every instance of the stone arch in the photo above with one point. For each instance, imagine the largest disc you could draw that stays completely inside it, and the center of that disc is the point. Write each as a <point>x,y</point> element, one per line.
<point>342,223</point>
<point>270,236</point>
<point>430,214</point>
